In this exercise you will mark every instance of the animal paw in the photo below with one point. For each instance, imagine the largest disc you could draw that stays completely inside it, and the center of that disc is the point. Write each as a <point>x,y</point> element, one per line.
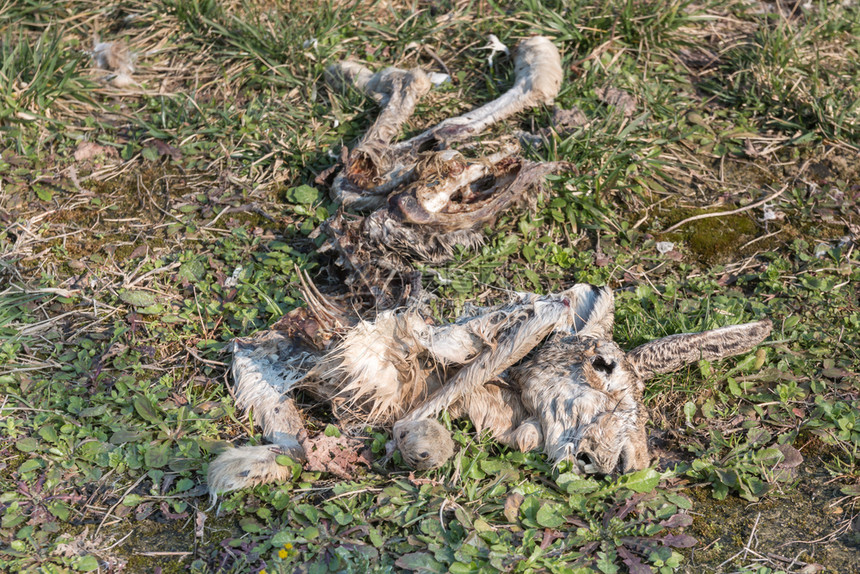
<point>244,467</point>
<point>424,444</point>
<point>528,436</point>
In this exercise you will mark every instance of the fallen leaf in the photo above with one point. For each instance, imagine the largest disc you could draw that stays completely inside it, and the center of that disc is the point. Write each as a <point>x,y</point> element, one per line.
<point>566,120</point>
<point>337,455</point>
<point>166,149</point>
<point>792,456</point>
<point>89,150</point>
<point>677,520</point>
<point>165,510</point>
<point>512,506</point>
<point>625,103</point>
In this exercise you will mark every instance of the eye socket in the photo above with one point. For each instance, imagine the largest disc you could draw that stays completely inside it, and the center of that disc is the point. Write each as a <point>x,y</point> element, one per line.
<point>601,364</point>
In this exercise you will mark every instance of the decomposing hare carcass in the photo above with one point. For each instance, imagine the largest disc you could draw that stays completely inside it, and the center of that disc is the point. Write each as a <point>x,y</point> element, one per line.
<point>422,197</point>
<point>541,372</point>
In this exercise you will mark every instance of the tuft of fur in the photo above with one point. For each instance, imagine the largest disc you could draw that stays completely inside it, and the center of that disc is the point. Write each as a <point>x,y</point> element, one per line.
<point>375,373</point>
<point>245,467</point>
<point>538,63</point>
<point>117,58</point>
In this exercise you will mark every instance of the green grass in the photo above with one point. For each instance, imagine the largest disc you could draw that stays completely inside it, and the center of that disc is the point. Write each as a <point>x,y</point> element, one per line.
<point>116,311</point>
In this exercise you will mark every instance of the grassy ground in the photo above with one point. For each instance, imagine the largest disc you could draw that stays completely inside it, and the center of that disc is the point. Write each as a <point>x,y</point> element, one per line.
<point>116,304</point>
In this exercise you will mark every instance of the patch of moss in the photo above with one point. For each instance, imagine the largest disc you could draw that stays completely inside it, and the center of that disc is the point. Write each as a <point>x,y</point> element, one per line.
<point>174,536</point>
<point>712,239</point>
<point>723,526</point>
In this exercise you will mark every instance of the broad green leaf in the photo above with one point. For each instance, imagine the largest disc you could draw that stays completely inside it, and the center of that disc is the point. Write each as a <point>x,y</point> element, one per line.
<point>641,481</point>
<point>86,563</point>
<point>30,465</point>
<point>303,194</point>
<point>573,483</point>
<point>420,562</point>
<point>250,525</point>
<point>549,516</point>
<point>145,409</point>
<point>157,456</point>
<point>139,298</point>
<point>27,444</point>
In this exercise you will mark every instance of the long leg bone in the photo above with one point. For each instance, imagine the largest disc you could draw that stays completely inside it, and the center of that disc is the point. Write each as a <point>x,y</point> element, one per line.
<point>537,68</point>
<point>265,369</point>
<point>370,172</point>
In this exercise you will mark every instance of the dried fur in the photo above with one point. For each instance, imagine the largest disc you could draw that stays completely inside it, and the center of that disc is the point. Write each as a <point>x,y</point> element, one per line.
<point>244,467</point>
<point>424,444</point>
<point>375,373</point>
<point>671,353</point>
<point>540,372</point>
<point>115,57</point>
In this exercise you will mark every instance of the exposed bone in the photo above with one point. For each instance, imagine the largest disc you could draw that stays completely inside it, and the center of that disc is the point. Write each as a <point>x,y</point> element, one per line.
<point>495,46</point>
<point>425,198</point>
<point>374,169</point>
<point>537,68</point>
<point>370,174</point>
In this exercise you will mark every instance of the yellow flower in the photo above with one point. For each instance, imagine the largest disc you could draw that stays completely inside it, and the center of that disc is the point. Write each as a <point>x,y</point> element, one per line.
<point>288,546</point>
<point>263,571</point>
<point>282,554</point>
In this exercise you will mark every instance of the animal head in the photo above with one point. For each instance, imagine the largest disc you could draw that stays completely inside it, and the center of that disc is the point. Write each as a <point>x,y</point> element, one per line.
<point>587,392</point>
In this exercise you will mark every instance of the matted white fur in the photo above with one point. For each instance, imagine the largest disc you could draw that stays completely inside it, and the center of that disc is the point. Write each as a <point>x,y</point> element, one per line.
<point>540,372</point>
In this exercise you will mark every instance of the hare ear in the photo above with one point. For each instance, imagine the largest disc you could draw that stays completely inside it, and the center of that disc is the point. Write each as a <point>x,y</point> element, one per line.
<point>671,353</point>
<point>593,310</point>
